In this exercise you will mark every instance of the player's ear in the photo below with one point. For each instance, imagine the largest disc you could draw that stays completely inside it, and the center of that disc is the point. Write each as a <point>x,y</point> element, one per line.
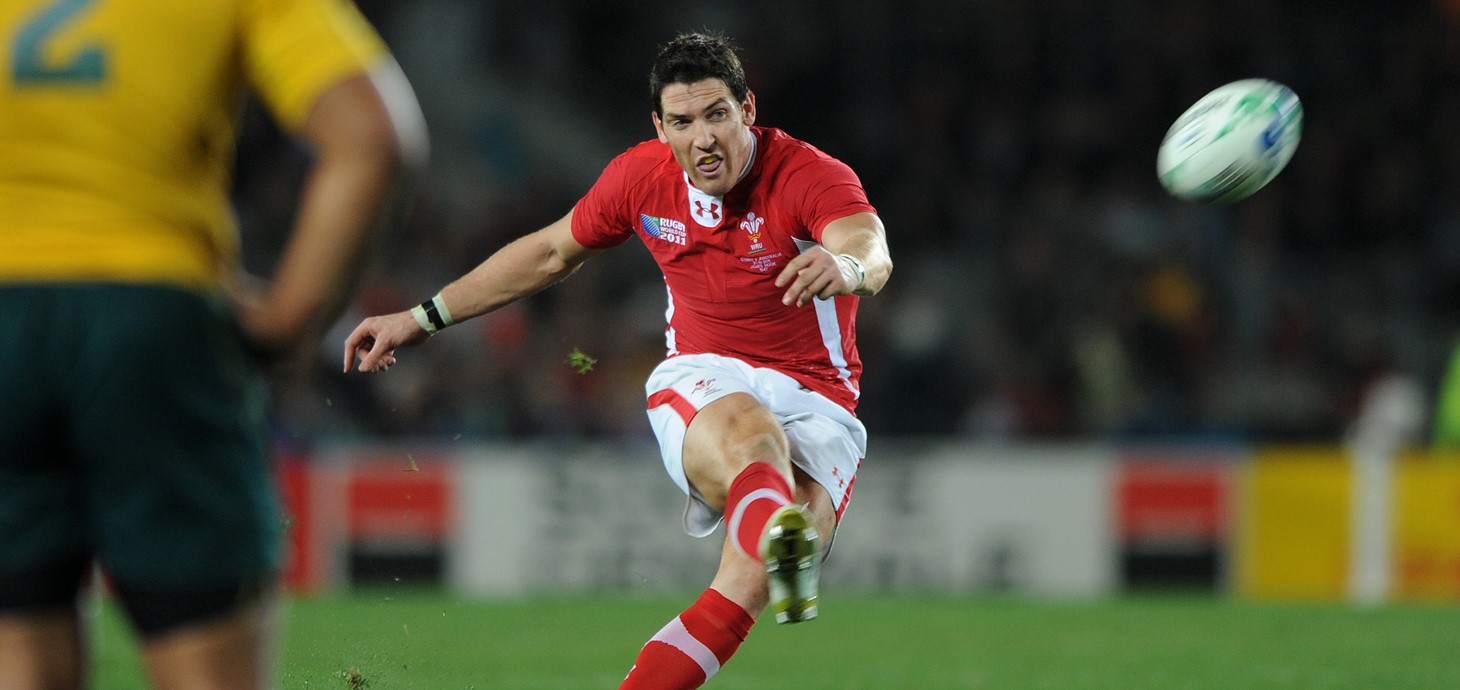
<point>749,107</point>
<point>659,127</point>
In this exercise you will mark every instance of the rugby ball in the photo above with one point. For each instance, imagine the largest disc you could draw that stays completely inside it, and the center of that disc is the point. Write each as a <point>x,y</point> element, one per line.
<point>1230,143</point>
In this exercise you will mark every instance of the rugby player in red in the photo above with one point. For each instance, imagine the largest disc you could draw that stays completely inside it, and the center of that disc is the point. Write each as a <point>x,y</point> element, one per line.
<point>765,244</point>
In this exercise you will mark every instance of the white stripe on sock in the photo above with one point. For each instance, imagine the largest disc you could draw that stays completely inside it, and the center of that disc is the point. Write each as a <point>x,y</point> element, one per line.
<point>752,497</point>
<point>677,636</point>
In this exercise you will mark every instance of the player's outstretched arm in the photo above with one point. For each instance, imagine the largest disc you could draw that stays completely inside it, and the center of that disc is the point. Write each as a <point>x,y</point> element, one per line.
<point>853,259</point>
<point>369,145</point>
<point>517,270</point>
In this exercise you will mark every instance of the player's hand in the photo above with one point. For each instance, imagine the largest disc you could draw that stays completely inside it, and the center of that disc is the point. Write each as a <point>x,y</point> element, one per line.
<point>815,273</point>
<point>375,340</point>
<point>273,332</point>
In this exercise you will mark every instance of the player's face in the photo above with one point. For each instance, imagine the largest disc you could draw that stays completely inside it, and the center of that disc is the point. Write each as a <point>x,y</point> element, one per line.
<point>708,131</point>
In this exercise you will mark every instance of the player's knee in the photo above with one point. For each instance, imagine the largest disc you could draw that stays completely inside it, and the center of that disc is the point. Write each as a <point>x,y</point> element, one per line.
<point>726,437</point>
<point>743,426</point>
<point>766,446</point>
<point>157,612</point>
<point>48,588</point>
<point>752,434</point>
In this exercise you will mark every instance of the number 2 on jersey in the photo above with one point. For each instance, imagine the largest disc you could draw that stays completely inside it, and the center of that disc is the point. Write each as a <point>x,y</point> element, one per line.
<point>28,66</point>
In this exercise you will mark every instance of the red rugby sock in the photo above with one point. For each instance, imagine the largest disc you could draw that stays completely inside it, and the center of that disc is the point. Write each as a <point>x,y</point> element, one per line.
<point>755,495</point>
<point>689,650</point>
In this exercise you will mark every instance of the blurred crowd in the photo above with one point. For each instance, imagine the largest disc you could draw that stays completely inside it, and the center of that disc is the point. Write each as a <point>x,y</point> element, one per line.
<point>1045,286</point>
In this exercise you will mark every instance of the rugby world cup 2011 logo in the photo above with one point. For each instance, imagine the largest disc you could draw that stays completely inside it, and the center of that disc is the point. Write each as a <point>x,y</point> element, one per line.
<point>752,225</point>
<point>667,229</point>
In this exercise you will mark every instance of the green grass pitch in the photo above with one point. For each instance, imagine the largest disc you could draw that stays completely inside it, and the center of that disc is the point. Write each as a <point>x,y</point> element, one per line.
<point>431,641</point>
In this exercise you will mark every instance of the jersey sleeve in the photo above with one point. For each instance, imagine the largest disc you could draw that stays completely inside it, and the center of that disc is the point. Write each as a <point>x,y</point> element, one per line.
<point>601,219</point>
<point>294,50</point>
<point>829,191</point>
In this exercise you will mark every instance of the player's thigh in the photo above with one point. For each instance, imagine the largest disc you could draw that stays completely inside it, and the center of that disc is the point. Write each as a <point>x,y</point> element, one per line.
<point>173,438</point>
<point>724,438</point>
<point>41,651</point>
<point>42,527</point>
<point>708,419</point>
<point>224,653</point>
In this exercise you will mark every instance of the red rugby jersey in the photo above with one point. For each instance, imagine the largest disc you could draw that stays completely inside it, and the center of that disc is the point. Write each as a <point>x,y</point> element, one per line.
<point>720,256</point>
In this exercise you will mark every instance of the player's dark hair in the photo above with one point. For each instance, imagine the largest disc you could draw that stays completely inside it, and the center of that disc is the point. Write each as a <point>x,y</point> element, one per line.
<point>695,56</point>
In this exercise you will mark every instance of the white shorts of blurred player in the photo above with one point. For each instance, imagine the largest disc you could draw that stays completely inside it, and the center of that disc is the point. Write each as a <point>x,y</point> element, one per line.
<point>827,441</point>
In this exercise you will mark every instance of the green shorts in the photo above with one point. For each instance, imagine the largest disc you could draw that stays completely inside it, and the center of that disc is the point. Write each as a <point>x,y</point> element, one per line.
<point>133,429</point>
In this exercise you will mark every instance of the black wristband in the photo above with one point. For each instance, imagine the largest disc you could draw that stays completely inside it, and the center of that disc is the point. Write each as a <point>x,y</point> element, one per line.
<point>434,316</point>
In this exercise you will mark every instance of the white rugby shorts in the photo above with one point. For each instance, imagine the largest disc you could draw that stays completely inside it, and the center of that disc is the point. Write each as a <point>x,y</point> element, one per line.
<point>826,440</point>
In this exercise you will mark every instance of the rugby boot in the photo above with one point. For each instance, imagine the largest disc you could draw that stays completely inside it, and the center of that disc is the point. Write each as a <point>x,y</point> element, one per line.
<point>792,552</point>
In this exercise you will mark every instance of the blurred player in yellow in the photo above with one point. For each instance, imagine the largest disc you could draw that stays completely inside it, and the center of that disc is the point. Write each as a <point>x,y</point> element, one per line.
<point>133,432</point>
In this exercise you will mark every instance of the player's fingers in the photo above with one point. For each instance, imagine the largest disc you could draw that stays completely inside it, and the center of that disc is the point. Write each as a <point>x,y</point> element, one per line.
<point>355,343</point>
<point>349,352</point>
<point>816,288</point>
<point>371,360</point>
<point>793,293</point>
<point>792,269</point>
<point>360,354</point>
<point>797,295</point>
<point>829,287</point>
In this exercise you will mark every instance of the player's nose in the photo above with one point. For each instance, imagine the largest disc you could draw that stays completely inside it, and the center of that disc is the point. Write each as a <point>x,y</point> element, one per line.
<point>704,138</point>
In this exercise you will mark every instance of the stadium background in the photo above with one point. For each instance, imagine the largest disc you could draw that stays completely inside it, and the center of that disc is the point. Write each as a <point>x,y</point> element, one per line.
<point>1046,287</point>
<point>1076,386</point>
<point>1047,290</point>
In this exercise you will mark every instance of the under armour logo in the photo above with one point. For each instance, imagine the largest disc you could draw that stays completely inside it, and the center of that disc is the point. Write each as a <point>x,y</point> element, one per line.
<point>713,210</point>
<point>706,209</point>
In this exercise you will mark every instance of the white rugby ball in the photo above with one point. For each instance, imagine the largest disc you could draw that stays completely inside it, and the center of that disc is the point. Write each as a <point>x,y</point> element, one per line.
<point>1231,143</point>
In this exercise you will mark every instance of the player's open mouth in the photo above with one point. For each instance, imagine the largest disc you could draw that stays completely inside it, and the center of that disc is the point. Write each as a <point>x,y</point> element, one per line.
<point>708,164</point>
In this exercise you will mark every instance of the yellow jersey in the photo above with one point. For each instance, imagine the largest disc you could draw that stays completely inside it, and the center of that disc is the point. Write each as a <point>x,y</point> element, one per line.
<point>118,120</point>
